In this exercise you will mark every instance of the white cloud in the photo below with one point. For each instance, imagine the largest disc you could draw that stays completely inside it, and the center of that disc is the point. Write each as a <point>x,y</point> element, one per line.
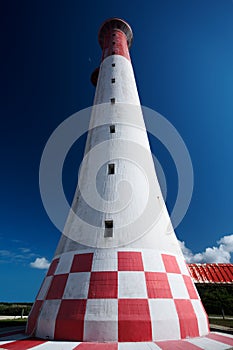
<point>219,254</point>
<point>19,255</point>
<point>40,263</point>
<point>25,250</point>
<point>4,253</point>
<point>227,242</point>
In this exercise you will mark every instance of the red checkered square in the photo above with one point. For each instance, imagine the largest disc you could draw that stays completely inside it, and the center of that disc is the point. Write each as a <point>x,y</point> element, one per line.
<point>190,287</point>
<point>32,319</point>
<point>96,346</point>
<point>82,263</point>
<point>57,287</point>
<point>187,318</point>
<point>157,285</point>
<point>103,285</point>
<point>23,344</point>
<point>170,263</point>
<point>130,261</point>
<point>177,344</point>
<point>134,323</point>
<point>52,267</point>
<point>70,320</point>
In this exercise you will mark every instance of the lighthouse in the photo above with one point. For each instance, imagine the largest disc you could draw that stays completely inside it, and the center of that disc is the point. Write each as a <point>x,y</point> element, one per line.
<point>118,274</point>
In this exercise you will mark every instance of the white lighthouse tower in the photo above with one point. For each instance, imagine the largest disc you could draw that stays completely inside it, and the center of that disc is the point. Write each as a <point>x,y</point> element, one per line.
<point>118,274</point>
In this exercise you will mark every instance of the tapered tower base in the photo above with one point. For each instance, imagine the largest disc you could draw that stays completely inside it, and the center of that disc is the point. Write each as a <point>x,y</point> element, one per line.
<point>133,295</point>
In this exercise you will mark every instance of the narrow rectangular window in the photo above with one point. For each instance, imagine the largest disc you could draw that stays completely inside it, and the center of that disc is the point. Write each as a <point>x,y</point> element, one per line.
<point>113,64</point>
<point>113,100</point>
<point>113,43</point>
<point>111,169</point>
<point>113,53</point>
<point>108,228</point>
<point>113,80</point>
<point>112,129</point>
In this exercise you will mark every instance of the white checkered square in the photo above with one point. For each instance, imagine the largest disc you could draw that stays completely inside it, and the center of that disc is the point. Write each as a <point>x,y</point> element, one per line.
<point>61,345</point>
<point>182,265</point>
<point>177,286</point>
<point>101,320</point>
<point>44,288</point>
<point>131,285</point>
<point>164,318</point>
<point>208,344</point>
<point>152,261</point>
<point>77,285</point>
<point>47,319</point>
<point>104,260</point>
<point>65,262</point>
<point>201,317</point>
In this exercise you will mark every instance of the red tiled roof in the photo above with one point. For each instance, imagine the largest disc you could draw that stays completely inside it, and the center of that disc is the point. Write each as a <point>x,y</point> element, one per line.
<point>211,273</point>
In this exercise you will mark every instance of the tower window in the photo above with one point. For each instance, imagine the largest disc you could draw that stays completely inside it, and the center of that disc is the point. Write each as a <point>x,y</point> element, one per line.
<point>113,34</point>
<point>113,100</point>
<point>113,64</point>
<point>111,169</point>
<point>113,53</point>
<point>113,80</point>
<point>112,129</point>
<point>108,228</point>
<point>113,43</point>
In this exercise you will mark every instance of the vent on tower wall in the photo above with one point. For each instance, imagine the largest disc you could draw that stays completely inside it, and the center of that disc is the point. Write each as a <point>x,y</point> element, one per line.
<point>113,100</point>
<point>113,64</point>
<point>108,228</point>
<point>113,80</point>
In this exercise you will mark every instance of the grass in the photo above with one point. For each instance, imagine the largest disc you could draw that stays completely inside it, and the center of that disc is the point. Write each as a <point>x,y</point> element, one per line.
<point>221,322</point>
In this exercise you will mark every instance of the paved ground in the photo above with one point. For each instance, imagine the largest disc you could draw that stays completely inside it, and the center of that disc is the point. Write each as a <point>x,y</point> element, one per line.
<point>18,329</point>
<point>213,341</point>
<point>5,317</point>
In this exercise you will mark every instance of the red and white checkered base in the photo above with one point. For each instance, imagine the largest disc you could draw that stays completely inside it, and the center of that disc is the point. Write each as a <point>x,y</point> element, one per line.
<point>213,341</point>
<point>114,295</point>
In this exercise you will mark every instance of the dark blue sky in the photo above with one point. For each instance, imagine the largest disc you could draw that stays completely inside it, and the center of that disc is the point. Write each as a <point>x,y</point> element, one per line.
<point>183,60</point>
